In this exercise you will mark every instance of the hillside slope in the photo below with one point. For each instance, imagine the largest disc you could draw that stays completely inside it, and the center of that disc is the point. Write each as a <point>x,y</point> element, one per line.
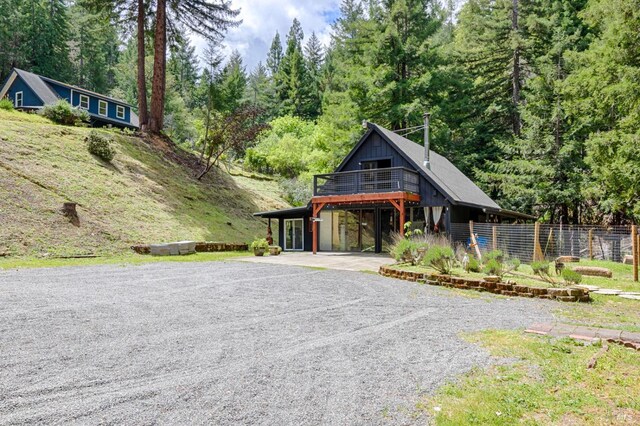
<point>144,196</point>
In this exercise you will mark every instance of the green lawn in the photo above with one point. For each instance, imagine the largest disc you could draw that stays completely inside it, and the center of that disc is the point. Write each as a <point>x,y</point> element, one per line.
<point>148,194</point>
<point>125,259</point>
<point>545,381</point>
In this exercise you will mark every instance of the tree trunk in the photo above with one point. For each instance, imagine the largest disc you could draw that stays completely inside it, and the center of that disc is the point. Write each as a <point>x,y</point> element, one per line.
<point>516,72</point>
<point>143,112</point>
<point>156,122</point>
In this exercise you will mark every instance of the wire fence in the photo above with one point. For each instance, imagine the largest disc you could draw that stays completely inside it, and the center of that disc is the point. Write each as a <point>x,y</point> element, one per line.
<point>519,240</point>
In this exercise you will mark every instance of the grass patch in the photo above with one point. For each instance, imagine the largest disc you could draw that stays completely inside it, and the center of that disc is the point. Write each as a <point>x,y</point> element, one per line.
<point>549,383</point>
<point>143,196</point>
<point>605,311</point>
<point>126,259</point>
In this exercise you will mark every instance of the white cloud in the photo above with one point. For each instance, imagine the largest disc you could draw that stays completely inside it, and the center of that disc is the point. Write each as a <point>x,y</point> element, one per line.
<point>262,18</point>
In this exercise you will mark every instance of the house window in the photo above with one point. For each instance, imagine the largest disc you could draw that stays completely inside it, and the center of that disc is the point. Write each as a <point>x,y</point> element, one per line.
<point>120,112</point>
<point>84,101</point>
<point>102,108</point>
<point>293,234</point>
<point>19,98</point>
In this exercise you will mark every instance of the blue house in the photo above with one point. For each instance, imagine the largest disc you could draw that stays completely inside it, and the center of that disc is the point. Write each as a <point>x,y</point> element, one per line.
<point>30,91</point>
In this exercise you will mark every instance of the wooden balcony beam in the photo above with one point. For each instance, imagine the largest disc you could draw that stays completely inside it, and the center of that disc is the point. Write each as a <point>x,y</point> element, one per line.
<point>366,198</point>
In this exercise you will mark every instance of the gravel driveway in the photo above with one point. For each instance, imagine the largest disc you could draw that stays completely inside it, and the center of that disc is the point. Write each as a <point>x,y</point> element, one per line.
<point>232,343</point>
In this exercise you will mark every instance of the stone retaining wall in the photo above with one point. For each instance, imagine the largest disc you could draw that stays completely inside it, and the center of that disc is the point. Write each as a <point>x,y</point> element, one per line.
<point>505,288</point>
<point>202,246</point>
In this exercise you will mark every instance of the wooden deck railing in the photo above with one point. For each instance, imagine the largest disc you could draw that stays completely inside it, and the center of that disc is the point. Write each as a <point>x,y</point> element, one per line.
<point>391,179</point>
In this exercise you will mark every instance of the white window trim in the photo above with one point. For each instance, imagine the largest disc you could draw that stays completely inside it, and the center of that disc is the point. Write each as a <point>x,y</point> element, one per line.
<point>293,242</point>
<point>118,109</point>
<point>106,108</point>
<point>80,103</point>
<point>21,99</point>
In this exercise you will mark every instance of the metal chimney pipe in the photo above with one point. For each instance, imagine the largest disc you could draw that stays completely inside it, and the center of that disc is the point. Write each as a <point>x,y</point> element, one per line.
<point>427,163</point>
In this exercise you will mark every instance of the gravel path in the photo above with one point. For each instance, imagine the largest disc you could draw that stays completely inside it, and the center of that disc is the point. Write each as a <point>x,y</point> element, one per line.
<point>232,343</point>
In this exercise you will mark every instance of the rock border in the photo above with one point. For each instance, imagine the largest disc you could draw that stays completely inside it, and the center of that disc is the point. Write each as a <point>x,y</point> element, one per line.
<point>571,294</point>
<point>201,247</point>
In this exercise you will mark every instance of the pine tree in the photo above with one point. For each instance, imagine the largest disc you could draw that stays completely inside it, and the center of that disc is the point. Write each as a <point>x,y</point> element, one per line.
<point>233,82</point>
<point>291,81</point>
<point>47,32</point>
<point>313,62</point>
<point>274,57</point>
<point>94,50</point>
<point>183,66</point>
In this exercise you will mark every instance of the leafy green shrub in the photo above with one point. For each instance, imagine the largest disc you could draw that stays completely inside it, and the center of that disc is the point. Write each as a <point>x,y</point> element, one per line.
<point>259,244</point>
<point>403,249</point>
<point>493,267</point>
<point>6,104</point>
<point>100,146</point>
<point>496,255</point>
<point>571,277</point>
<point>540,267</point>
<point>473,265</point>
<point>515,263</point>
<point>440,258</point>
<point>63,113</point>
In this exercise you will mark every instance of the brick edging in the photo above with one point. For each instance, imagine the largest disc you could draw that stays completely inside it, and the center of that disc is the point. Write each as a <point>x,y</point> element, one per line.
<point>505,288</point>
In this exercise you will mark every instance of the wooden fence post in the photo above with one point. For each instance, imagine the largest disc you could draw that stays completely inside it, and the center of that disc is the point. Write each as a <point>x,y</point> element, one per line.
<point>590,244</point>
<point>537,250</point>
<point>634,251</point>
<point>474,242</point>
<point>494,237</point>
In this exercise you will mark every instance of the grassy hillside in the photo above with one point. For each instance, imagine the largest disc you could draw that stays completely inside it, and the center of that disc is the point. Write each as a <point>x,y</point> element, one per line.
<point>148,194</point>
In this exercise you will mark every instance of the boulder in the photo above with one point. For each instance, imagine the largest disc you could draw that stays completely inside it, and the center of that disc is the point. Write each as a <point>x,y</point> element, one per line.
<point>628,259</point>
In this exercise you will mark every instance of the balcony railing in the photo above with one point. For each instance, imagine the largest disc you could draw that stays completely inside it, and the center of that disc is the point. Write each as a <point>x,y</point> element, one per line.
<point>367,181</point>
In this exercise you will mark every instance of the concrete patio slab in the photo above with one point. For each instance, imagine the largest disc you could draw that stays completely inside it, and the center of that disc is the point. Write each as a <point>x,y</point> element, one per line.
<point>339,261</point>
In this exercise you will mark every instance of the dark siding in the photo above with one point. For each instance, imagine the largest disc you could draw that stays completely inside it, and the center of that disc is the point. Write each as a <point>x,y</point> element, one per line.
<point>376,148</point>
<point>29,98</point>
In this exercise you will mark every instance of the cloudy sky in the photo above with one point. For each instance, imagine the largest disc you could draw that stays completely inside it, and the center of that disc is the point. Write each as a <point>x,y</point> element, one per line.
<point>262,18</point>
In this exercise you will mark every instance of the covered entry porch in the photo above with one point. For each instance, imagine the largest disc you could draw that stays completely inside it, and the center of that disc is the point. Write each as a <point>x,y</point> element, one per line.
<point>359,222</point>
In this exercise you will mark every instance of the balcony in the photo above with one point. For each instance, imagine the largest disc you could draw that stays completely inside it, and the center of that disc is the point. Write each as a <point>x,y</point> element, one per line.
<point>394,179</point>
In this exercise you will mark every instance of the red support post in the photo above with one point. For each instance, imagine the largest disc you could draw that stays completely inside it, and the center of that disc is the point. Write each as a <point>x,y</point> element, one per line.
<point>401,216</point>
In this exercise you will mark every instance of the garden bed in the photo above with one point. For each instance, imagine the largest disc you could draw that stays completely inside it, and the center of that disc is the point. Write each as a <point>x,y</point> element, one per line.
<point>508,288</point>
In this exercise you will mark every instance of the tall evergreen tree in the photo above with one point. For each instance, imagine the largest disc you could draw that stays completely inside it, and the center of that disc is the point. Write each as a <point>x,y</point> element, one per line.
<point>274,57</point>
<point>314,60</point>
<point>209,18</point>
<point>183,66</point>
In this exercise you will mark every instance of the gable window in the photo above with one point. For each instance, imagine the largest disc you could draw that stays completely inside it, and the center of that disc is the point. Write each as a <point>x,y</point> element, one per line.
<point>19,97</point>
<point>84,101</point>
<point>120,112</point>
<point>102,108</point>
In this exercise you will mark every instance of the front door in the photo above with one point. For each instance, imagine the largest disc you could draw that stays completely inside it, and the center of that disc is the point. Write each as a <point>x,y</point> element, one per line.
<point>293,234</point>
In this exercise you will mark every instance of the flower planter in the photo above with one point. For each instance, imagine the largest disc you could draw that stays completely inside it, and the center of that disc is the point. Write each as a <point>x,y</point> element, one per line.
<point>259,252</point>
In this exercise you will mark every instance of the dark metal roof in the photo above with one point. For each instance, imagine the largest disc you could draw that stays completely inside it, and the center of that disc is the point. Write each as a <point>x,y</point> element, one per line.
<point>454,185</point>
<point>39,87</point>
<point>294,211</point>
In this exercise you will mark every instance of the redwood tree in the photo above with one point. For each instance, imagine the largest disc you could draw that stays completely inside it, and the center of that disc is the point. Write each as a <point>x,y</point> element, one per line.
<point>208,18</point>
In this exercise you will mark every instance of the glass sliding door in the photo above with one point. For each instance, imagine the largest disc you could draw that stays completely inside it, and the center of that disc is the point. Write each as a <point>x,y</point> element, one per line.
<point>293,234</point>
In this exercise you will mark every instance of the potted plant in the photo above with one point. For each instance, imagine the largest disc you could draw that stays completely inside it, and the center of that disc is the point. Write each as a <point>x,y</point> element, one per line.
<point>259,246</point>
<point>274,250</point>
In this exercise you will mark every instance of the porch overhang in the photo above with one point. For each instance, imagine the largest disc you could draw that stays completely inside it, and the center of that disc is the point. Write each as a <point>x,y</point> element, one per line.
<point>396,199</point>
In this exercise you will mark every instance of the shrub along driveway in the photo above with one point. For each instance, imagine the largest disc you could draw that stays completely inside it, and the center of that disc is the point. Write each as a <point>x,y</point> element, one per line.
<point>233,343</point>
